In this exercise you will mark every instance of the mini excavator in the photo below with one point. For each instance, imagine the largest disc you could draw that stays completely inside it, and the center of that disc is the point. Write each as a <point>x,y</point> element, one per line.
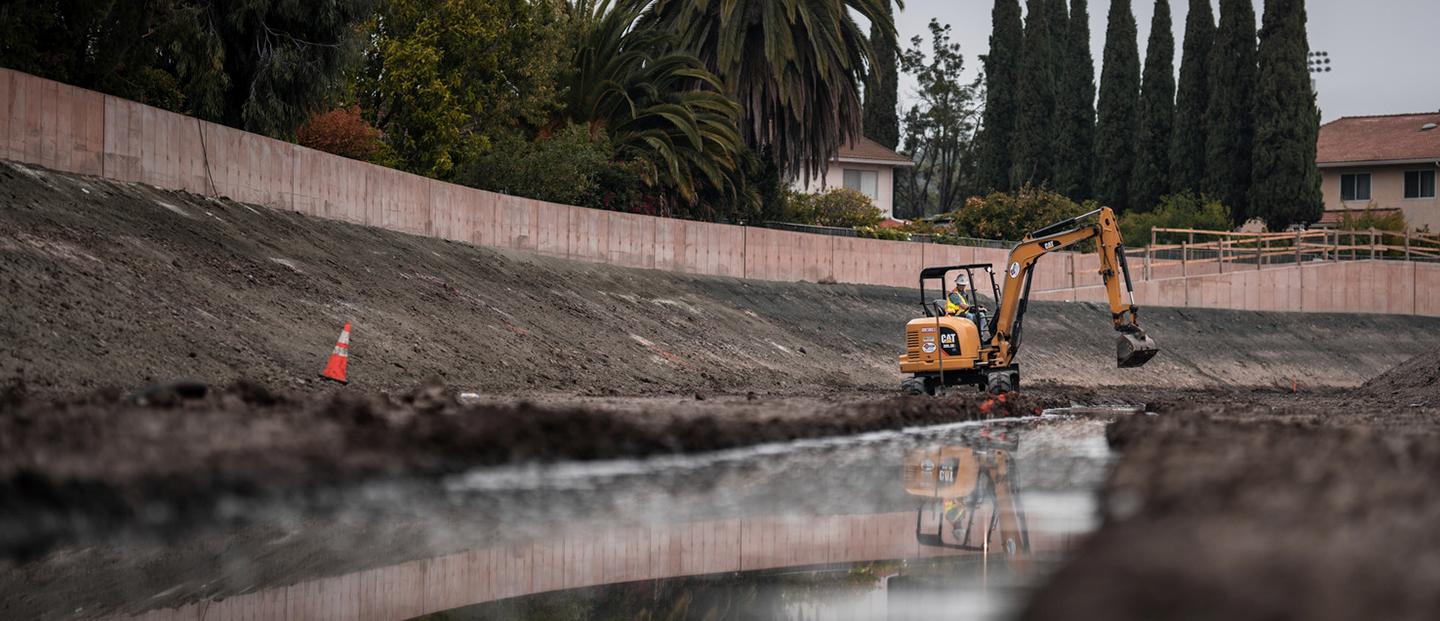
<point>979,349</point>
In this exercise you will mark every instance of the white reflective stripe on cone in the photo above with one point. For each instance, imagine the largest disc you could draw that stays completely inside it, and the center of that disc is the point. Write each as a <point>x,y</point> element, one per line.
<point>340,351</point>
<point>345,337</point>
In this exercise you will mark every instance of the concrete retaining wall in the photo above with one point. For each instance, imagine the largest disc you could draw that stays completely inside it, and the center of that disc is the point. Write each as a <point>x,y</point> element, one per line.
<point>74,130</point>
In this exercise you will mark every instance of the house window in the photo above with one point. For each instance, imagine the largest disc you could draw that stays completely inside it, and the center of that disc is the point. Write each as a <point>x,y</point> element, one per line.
<point>1419,184</point>
<point>1355,187</point>
<point>866,182</point>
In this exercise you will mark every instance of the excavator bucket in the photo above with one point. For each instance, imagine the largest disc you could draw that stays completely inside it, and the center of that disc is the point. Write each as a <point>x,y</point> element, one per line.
<point>1134,349</point>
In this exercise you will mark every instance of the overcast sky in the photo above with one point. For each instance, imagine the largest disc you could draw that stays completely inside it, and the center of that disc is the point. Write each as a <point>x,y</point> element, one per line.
<point>1384,52</point>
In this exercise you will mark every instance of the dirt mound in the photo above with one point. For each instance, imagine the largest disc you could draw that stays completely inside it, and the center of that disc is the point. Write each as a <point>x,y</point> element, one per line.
<point>110,284</point>
<point>1416,381</point>
<point>1245,512</point>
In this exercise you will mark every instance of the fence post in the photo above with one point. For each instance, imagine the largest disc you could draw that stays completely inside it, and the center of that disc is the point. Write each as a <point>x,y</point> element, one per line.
<point>1407,244</point>
<point>1259,254</point>
<point>1220,253</point>
<point>1150,270</point>
<point>1372,243</point>
<point>1184,254</point>
<point>1298,237</point>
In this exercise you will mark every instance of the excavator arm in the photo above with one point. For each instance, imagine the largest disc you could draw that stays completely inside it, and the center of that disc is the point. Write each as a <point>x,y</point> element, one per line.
<point>1134,347</point>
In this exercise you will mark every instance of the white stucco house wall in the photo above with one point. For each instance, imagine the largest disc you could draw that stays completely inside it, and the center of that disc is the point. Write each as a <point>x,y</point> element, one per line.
<point>865,166</point>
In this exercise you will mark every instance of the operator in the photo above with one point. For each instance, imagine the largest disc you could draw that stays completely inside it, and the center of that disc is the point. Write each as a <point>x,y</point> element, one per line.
<point>956,305</point>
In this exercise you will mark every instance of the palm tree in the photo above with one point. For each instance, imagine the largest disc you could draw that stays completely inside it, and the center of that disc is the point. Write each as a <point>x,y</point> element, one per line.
<point>795,66</point>
<point>660,106</point>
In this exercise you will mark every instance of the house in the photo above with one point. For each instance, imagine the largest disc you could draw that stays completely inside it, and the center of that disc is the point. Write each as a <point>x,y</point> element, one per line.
<point>1382,162</point>
<point>865,166</point>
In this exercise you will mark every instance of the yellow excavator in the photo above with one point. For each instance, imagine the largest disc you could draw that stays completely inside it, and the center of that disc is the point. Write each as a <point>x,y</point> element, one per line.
<point>979,349</point>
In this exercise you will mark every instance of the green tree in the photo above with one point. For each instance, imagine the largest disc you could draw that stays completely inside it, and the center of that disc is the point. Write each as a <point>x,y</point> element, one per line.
<point>573,158</point>
<point>263,65</point>
<point>1187,153</point>
<point>1157,113</point>
<point>1013,215</point>
<point>882,113</point>
<point>1287,123</point>
<point>443,76</point>
<point>796,66</point>
<point>1001,85</point>
<point>1117,111</point>
<point>661,108</point>
<point>1075,141</point>
<point>1184,210</point>
<point>1033,146</point>
<point>1230,122</point>
<point>939,129</point>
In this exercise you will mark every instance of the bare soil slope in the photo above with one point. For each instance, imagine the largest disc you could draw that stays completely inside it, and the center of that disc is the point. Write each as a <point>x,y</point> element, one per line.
<point>108,284</point>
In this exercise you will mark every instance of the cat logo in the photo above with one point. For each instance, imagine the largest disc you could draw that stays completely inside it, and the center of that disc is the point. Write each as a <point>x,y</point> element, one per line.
<point>1049,244</point>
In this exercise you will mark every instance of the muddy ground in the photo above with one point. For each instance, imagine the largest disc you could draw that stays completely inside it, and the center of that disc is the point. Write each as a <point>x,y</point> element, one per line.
<point>1268,506</point>
<point>1280,478</point>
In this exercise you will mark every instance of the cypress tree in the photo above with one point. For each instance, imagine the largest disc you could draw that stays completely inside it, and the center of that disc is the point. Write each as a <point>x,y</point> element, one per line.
<point>1187,154</point>
<point>1001,76</point>
<point>1287,123</point>
<point>1157,113</point>
<point>881,120</point>
<point>1116,113</point>
<point>1034,133</point>
<point>1230,123</point>
<point>1075,139</point>
<point>1058,19</point>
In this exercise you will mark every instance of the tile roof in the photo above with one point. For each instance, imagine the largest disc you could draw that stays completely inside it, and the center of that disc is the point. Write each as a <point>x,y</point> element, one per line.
<point>866,149</point>
<point>1379,138</point>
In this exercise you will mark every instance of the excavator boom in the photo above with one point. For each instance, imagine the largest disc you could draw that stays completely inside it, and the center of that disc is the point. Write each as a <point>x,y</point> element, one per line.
<point>1133,348</point>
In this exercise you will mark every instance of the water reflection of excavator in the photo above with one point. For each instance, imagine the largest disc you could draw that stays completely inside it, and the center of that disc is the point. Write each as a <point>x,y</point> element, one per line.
<point>946,350</point>
<point>970,500</point>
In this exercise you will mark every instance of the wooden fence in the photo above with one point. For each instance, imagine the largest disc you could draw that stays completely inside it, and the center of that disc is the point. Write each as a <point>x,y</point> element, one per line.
<point>1218,252</point>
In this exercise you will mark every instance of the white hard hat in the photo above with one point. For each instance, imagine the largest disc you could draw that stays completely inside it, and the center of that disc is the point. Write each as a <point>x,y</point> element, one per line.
<point>962,279</point>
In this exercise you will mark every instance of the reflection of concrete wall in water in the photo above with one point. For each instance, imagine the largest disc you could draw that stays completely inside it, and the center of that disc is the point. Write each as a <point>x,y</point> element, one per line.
<point>432,585</point>
<point>75,130</point>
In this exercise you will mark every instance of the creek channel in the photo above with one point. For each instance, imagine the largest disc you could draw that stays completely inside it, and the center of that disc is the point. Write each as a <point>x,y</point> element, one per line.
<point>959,520</point>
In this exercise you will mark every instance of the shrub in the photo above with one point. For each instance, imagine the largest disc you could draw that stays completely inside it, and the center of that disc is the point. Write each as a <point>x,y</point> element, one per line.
<point>1176,211</point>
<point>1368,219</point>
<point>565,167</point>
<point>1011,216</point>
<point>341,132</point>
<point>881,232</point>
<point>838,207</point>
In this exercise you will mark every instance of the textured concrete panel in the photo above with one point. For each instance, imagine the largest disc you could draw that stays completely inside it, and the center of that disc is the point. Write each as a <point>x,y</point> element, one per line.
<point>589,234</point>
<point>552,227</point>
<point>329,186</point>
<point>632,240</point>
<point>787,256</point>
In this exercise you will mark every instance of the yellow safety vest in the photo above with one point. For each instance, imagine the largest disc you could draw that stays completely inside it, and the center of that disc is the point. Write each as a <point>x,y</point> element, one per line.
<point>956,303</point>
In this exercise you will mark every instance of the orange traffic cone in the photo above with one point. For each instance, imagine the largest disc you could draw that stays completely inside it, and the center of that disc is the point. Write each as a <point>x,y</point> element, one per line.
<point>335,369</point>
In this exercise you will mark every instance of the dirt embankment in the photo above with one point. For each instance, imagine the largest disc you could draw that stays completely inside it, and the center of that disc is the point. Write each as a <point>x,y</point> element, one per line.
<point>109,284</point>
<point>1264,506</point>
